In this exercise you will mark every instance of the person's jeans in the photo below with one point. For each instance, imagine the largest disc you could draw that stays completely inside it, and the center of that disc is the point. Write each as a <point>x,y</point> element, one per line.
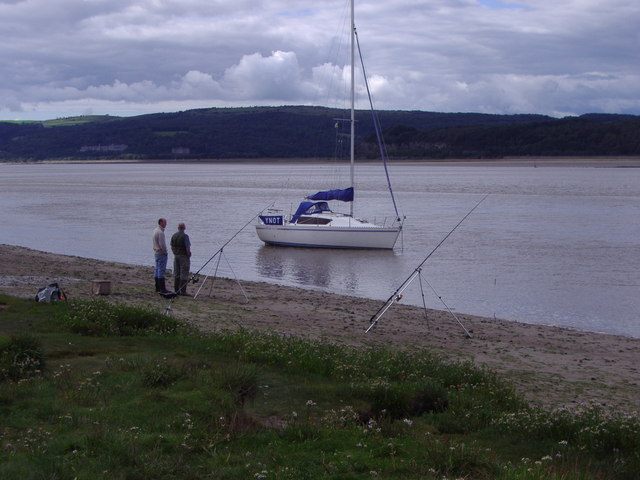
<point>161,264</point>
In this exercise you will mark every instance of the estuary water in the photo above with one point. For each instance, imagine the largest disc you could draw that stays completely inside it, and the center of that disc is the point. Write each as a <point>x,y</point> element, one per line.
<point>553,243</point>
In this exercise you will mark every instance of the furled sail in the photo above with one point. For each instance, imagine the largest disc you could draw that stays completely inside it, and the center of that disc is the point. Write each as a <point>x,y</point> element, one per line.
<point>345,195</point>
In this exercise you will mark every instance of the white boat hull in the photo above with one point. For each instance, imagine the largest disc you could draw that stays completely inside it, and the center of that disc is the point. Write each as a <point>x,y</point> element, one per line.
<point>326,236</point>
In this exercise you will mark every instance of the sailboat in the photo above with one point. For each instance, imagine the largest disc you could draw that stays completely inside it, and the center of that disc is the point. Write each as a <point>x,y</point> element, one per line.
<point>315,224</point>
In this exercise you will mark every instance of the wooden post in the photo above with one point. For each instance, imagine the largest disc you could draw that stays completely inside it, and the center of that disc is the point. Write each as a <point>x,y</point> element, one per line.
<point>100,287</point>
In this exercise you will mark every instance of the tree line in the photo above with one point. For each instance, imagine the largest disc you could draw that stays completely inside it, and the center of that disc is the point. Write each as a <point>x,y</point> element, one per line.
<point>298,132</point>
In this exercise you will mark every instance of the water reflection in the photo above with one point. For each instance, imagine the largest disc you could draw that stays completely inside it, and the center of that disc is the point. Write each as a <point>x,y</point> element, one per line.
<point>324,268</point>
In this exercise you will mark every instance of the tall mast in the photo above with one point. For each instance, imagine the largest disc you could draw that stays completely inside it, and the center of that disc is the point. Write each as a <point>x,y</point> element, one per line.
<point>353,100</point>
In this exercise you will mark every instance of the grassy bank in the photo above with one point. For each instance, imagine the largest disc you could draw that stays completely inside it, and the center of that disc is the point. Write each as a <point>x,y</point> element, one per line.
<point>90,389</point>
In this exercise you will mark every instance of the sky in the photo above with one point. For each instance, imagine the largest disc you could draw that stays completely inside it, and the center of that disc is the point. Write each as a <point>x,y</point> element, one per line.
<point>62,58</point>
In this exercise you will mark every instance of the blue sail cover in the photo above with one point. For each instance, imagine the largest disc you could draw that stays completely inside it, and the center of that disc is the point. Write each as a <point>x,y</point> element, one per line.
<point>345,195</point>
<point>310,208</point>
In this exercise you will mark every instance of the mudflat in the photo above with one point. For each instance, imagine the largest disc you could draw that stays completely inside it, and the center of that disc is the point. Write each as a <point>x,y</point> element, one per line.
<point>550,366</point>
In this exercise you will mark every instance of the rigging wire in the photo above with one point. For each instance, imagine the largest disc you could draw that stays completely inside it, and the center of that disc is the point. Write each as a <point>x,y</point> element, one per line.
<point>377,127</point>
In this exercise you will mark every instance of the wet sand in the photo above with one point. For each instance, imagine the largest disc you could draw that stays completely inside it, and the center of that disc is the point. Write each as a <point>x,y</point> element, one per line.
<point>551,367</point>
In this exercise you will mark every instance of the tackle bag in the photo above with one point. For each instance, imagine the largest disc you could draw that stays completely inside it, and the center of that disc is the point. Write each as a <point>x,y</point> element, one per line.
<point>50,293</point>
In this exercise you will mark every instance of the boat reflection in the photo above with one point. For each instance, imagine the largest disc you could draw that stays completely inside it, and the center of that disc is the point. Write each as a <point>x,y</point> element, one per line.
<point>322,268</point>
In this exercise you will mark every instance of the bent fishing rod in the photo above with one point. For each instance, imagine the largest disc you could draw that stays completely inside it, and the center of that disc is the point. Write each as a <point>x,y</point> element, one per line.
<point>194,277</point>
<point>397,295</point>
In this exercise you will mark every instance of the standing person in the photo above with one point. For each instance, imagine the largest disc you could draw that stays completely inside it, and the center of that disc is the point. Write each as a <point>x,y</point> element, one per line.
<point>181,248</point>
<point>161,255</point>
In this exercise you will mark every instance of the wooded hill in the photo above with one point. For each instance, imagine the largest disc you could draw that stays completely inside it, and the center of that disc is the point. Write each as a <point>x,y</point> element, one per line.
<point>309,133</point>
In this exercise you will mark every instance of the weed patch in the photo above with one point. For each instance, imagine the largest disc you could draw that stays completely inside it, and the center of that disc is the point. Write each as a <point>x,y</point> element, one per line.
<point>101,318</point>
<point>21,357</point>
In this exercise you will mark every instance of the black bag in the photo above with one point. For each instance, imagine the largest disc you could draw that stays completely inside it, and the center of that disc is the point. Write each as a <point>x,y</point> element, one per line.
<point>50,293</point>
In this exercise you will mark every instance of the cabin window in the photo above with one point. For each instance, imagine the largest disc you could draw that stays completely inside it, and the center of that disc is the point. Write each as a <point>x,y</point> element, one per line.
<point>313,221</point>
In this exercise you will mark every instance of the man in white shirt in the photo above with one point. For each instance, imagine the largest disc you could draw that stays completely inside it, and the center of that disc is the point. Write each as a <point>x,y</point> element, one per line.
<point>161,255</point>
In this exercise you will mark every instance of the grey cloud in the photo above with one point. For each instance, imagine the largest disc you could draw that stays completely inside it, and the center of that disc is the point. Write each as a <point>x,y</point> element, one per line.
<point>108,56</point>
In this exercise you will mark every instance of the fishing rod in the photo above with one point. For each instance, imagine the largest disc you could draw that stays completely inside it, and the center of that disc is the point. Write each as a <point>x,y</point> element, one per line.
<point>397,295</point>
<point>194,277</point>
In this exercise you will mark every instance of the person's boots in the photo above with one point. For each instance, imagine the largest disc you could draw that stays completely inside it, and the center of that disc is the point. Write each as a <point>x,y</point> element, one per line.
<point>162,285</point>
<point>176,285</point>
<point>157,284</point>
<point>183,289</point>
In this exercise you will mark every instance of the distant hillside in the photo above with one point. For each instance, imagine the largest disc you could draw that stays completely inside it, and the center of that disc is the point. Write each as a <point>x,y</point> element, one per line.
<point>588,135</point>
<point>308,132</point>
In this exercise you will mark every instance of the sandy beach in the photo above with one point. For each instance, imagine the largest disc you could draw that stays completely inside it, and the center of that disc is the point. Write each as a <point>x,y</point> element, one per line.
<point>549,366</point>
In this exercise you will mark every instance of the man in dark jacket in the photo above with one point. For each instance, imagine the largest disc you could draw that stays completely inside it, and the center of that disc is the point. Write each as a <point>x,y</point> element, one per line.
<point>181,248</point>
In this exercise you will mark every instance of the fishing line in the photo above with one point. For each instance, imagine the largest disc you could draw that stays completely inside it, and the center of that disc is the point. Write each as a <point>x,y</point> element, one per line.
<point>397,295</point>
<point>215,275</point>
<point>447,307</point>
<point>194,277</point>
<point>424,302</point>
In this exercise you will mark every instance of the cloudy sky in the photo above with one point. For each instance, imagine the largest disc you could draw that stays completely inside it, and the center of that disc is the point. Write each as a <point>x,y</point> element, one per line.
<point>63,58</point>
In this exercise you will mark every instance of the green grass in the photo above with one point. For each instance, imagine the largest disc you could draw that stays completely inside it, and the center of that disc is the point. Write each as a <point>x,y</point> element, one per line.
<point>67,121</point>
<point>71,121</point>
<point>109,391</point>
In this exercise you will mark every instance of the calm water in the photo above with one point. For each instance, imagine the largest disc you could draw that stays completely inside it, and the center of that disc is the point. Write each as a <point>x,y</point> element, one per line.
<point>556,245</point>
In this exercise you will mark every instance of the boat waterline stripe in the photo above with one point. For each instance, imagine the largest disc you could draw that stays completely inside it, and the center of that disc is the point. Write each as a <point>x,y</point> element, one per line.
<point>313,245</point>
<point>342,230</point>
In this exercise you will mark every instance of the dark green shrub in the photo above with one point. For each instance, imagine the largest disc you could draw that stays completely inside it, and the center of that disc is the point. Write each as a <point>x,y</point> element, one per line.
<point>21,357</point>
<point>241,381</point>
<point>399,400</point>
<point>161,373</point>
<point>428,397</point>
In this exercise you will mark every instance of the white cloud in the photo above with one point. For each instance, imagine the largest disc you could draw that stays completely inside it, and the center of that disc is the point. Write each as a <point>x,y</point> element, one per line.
<point>276,77</point>
<point>499,56</point>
